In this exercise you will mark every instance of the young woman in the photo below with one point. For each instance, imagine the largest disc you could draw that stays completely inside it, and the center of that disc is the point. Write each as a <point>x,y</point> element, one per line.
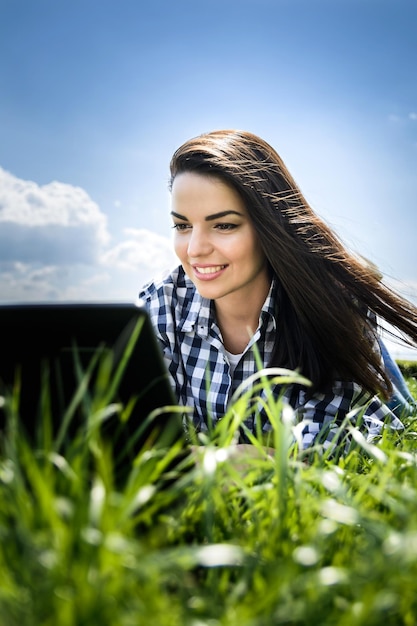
<point>258,266</point>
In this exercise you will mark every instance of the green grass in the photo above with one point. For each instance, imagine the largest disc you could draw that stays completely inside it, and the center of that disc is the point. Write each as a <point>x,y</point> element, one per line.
<point>282,541</point>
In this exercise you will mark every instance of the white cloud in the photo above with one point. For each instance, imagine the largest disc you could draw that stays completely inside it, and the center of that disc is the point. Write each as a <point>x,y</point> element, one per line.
<point>141,249</point>
<point>55,245</point>
<point>56,223</point>
<point>394,118</point>
<point>29,282</point>
<point>26,202</point>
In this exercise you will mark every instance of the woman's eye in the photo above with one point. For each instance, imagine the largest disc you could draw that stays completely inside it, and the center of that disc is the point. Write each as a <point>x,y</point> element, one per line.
<point>226,226</point>
<point>181,226</point>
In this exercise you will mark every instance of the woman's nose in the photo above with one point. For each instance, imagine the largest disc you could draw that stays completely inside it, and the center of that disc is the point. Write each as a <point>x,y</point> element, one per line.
<point>198,244</point>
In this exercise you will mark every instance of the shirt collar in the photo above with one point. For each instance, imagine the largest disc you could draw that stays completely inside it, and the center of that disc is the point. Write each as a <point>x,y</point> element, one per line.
<point>199,316</point>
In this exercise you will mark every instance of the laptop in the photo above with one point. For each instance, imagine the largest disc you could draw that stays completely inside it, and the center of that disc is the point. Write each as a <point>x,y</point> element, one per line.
<point>65,367</point>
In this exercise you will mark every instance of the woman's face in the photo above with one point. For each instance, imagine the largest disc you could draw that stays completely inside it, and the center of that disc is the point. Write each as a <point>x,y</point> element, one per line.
<point>215,239</point>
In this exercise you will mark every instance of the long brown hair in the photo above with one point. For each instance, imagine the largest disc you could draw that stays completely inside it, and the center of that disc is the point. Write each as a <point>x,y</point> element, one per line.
<point>324,293</point>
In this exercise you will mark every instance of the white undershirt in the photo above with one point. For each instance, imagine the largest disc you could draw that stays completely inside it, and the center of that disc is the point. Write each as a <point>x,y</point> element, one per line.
<point>233,360</point>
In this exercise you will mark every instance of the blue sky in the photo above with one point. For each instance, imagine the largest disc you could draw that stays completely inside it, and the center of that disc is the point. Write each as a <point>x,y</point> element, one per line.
<point>95,95</point>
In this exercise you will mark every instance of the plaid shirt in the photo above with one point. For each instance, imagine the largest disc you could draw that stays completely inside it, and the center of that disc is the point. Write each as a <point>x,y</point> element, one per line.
<point>201,376</point>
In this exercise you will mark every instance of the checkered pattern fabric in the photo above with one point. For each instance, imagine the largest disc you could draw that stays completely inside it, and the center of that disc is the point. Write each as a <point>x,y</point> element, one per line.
<point>201,376</point>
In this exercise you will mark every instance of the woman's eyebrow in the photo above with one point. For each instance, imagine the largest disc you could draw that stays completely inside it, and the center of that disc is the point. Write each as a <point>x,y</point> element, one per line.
<point>216,216</point>
<point>208,218</point>
<point>179,217</point>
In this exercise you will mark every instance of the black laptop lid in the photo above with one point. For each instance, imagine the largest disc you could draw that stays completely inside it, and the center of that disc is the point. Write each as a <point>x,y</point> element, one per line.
<point>90,355</point>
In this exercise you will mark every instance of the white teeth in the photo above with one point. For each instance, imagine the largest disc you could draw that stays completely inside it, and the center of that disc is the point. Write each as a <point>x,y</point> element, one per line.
<point>209,270</point>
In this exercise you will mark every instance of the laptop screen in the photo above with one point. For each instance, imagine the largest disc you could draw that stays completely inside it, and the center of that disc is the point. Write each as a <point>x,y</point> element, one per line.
<point>80,364</point>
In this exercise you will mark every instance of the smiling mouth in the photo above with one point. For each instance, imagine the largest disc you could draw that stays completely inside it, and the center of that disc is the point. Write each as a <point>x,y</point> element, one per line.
<point>209,270</point>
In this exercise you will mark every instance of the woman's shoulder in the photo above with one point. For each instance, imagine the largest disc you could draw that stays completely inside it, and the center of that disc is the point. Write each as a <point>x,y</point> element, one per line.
<point>174,284</point>
<point>169,300</point>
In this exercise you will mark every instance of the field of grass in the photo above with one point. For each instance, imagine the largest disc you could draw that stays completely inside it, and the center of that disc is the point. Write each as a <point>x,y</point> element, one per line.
<point>206,542</point>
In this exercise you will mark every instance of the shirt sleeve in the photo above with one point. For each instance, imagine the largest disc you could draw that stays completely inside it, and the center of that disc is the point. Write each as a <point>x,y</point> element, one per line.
<point>158,300</point>
<point>324,415</point>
